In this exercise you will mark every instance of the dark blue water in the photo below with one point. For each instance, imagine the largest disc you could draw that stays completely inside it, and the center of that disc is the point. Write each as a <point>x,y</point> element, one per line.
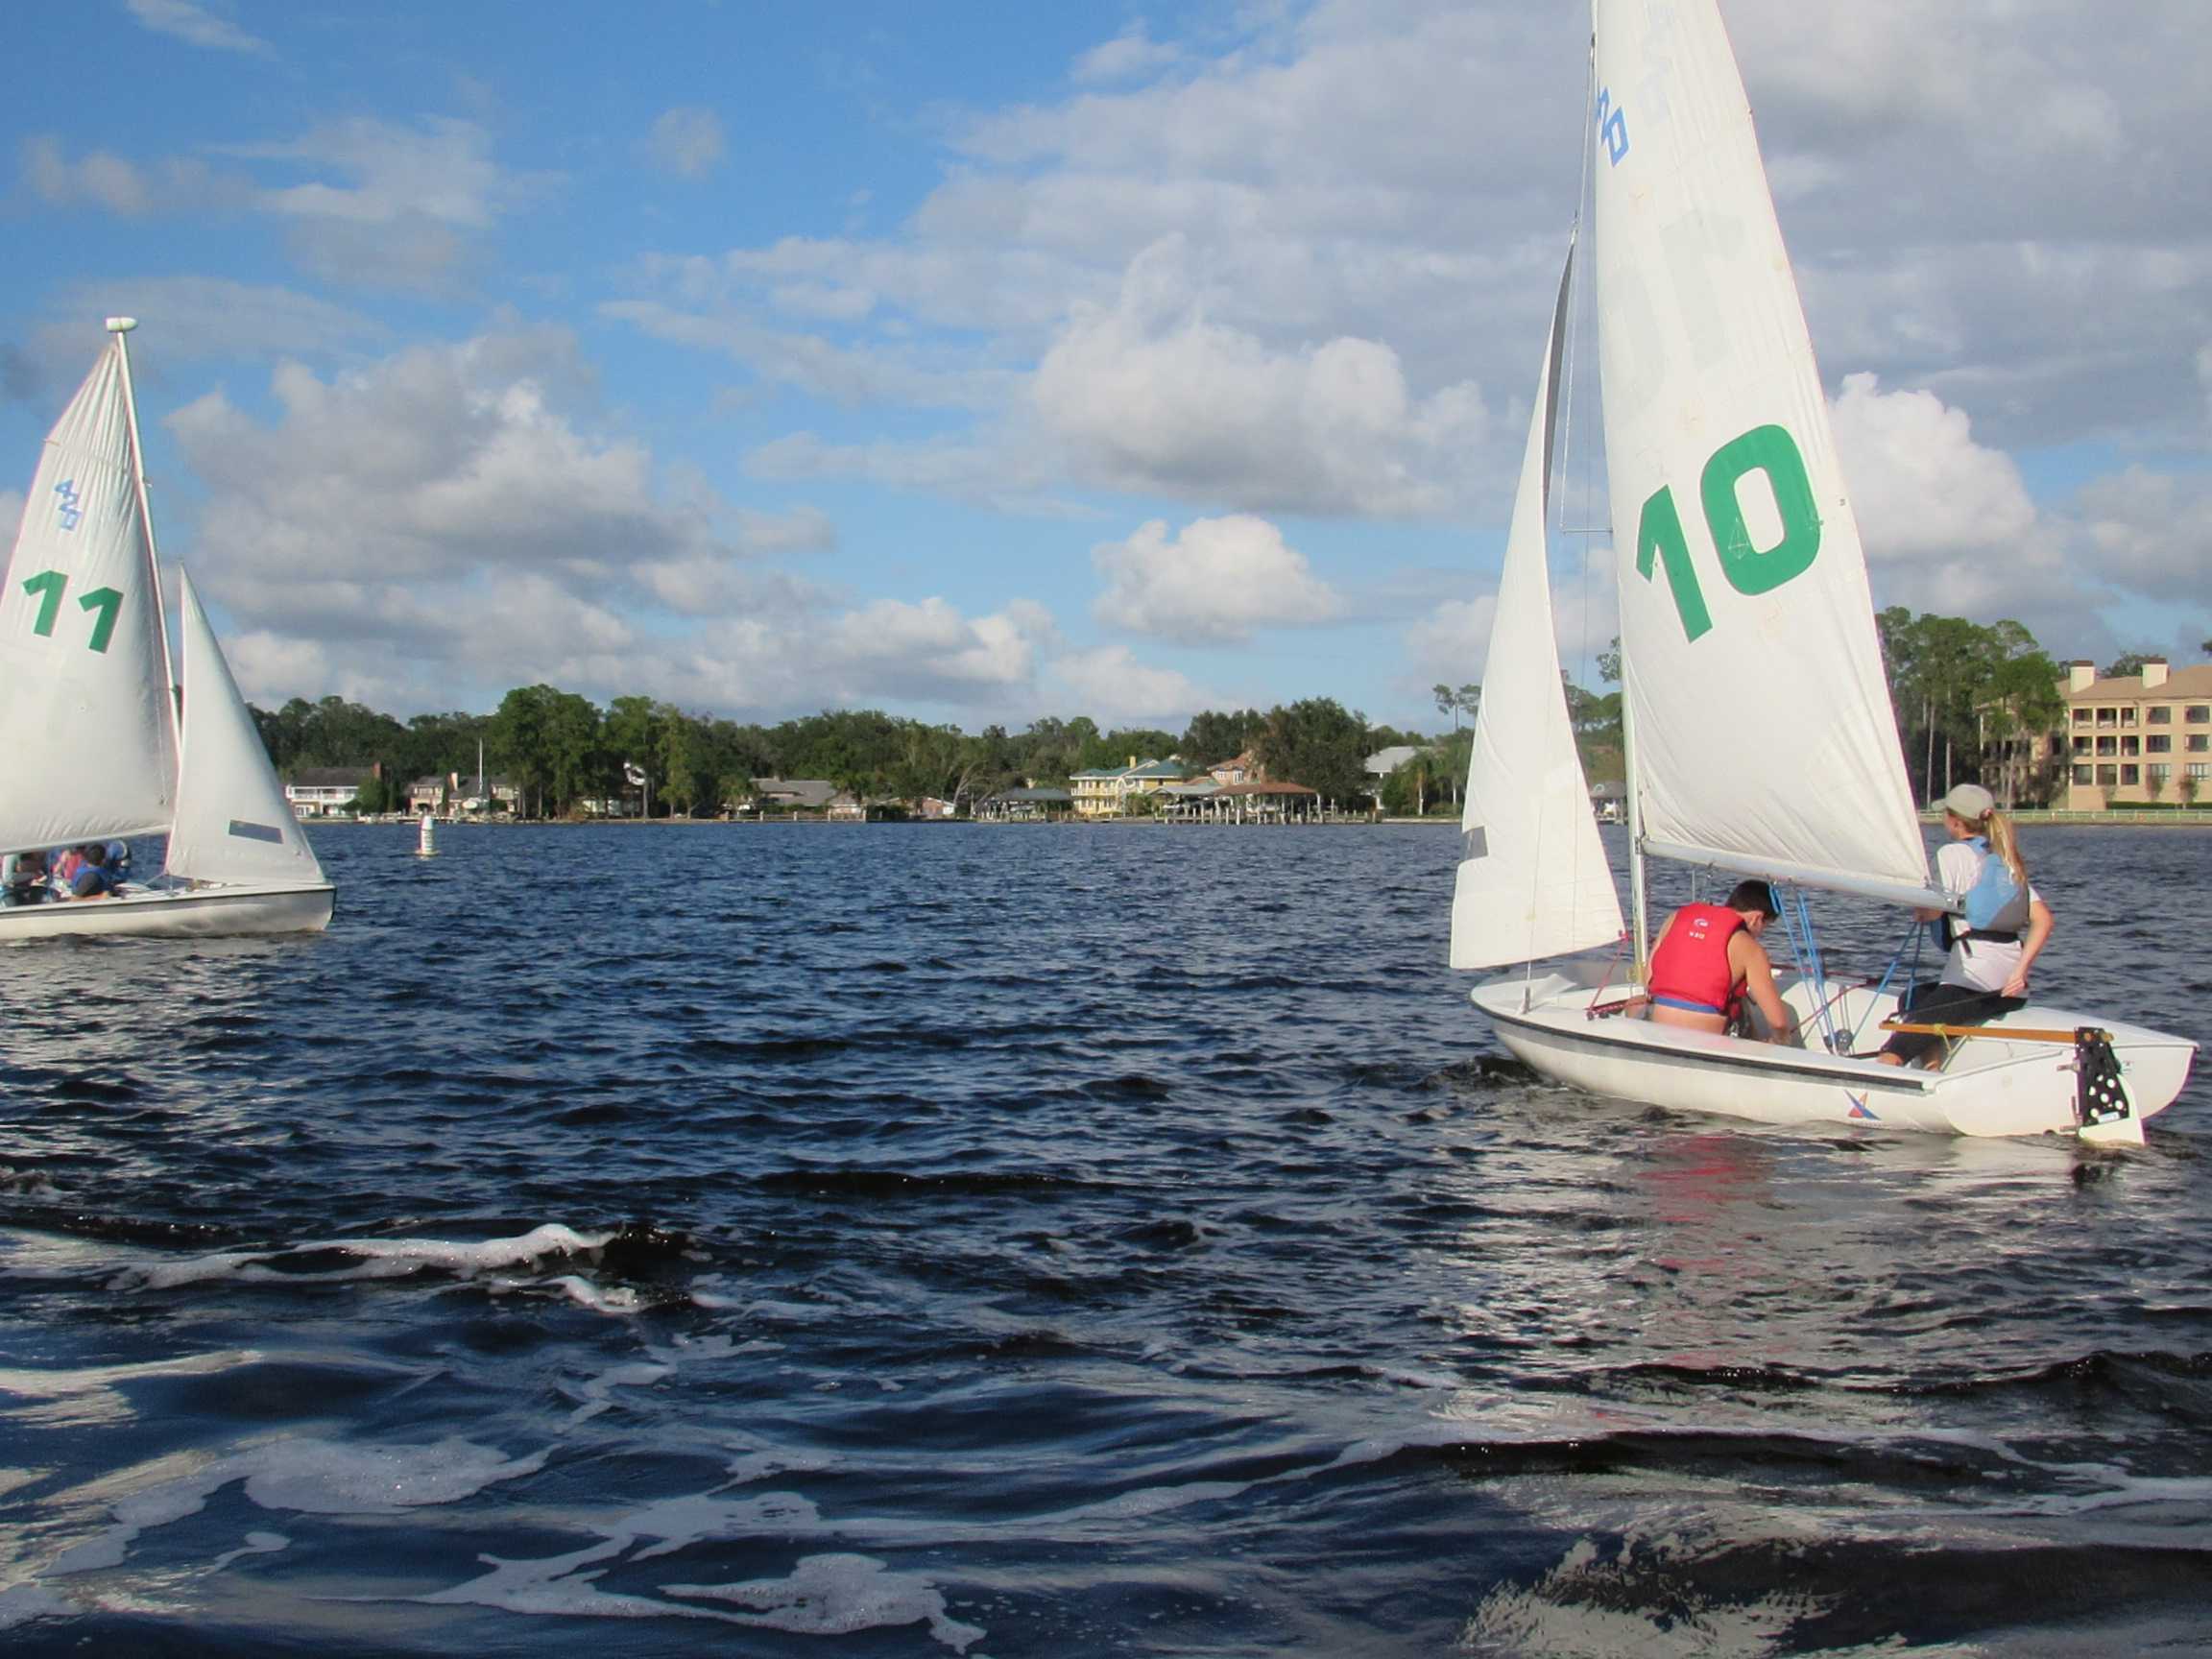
<point>1019,1241</point>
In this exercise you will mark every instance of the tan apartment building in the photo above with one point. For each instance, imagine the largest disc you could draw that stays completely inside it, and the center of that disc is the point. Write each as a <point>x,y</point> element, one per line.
<point>2137,738</point>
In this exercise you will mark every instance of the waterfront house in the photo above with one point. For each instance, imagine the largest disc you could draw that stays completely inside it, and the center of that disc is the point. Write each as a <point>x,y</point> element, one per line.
<point>1244,769</point>
<point>450,796</point>
<point>787,795</point>
<point>1107,794</point>
<point>328,791</point>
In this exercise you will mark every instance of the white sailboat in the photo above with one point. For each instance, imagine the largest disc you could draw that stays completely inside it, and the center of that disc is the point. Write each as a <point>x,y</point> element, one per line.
<point>98,747</point>
<point>1738,565</point>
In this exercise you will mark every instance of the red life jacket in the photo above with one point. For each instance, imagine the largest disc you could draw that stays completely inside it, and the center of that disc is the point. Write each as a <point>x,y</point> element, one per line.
<point>1692,962</point>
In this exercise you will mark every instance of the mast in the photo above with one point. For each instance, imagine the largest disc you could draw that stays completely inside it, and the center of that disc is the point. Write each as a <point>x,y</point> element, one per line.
<point>120,327</point>
<point>1640,915</point>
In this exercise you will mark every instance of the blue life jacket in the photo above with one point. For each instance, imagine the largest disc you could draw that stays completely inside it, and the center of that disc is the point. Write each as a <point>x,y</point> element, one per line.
<point>1997,903</point>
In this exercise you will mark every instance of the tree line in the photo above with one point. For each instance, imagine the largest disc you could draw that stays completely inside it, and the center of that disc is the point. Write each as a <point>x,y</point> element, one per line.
<point>1970,699</point>
<point>559,749</point>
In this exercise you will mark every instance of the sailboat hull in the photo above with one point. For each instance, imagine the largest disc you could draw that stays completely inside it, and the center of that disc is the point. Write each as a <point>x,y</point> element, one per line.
<point>180,913</point>
<point>1991,1087</point>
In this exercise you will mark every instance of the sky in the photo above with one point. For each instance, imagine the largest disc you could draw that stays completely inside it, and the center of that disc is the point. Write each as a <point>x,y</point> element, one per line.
<point>981,363</point>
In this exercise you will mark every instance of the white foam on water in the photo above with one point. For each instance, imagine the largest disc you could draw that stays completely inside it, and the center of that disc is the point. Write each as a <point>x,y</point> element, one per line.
<point>310,1476</point>
<point>838,1595</point>
<point>1147,1501</point>
<point>599,1391</point>
<point>767,1465</point>
<point>675,1521</point>
<point>256,1544</point>
<point>618,1299</point>
<point>553,1585</point>
<point>20,1604</point>
<point>378,1259</point>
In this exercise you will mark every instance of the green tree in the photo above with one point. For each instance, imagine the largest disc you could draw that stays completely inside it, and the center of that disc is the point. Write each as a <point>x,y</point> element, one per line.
<point>1213,736</point>
<point>2129,663</point>
<point>1319,743</point>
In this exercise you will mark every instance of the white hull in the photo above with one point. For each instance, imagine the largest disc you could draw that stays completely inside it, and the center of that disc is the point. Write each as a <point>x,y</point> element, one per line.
<point>1989,1087</point>
<point>174,913</point>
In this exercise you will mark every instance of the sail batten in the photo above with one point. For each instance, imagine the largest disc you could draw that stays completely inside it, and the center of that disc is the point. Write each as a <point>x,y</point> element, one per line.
<point>1751,670</point>
<point>1533,880</point>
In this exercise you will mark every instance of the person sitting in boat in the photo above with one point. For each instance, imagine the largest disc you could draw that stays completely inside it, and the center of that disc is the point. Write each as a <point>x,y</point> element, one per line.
<point>1993,944</point>
<point>1708,962</point>
<point>94,879</point>
<point>64,862</point>
<point>23,881</point>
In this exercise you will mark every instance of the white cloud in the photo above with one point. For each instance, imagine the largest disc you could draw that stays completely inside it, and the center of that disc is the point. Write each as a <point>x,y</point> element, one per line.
<point>1113,688</point>
<point>447,523</point>
<point>1150,396</point>
<point>929,650</point>
<point>407,207</point>
<point>435,453</point>
<point>1129,55</point>
<point>1948,525</point>
<point>122,187</point>
<point>440,169</point>
<point>892,372</point>
<point>190,317</point>
<point>1451,643</point>
<point>195,24</point>
<point>1214,583</point>
<point>2148,532</point>
<point>1924,490</point>
<point>686,141</point>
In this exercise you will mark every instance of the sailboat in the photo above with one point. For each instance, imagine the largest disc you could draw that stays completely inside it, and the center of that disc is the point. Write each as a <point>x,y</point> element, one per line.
<point>1738,565</point>
<point>98,746</point>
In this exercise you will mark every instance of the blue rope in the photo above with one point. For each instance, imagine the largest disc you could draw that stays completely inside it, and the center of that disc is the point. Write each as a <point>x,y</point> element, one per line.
<point>1917,933</point>
<point>1807,946</point>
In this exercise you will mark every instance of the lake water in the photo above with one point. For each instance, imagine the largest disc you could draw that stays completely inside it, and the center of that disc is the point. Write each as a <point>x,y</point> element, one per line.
<point>1009,1240</point>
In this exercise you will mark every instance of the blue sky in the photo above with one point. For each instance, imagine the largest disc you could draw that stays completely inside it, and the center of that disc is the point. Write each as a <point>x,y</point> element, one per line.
<point>983,362</point>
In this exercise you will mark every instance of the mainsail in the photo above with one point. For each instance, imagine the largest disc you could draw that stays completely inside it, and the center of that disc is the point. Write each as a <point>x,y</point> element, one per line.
<point>1532,881</point>
<point>233,820</point>
<point>1765,738</point>
<point>81,675</point>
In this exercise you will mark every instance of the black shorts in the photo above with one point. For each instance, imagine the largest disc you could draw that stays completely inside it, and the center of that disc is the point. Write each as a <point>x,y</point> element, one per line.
<point>1941,1004</point>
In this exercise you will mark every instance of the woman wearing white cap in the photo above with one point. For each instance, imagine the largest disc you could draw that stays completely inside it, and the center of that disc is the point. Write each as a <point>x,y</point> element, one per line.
<point>1998,939</point>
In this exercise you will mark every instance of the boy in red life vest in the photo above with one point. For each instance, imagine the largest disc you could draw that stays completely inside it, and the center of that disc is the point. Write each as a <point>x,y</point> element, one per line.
<point>1708,960</point>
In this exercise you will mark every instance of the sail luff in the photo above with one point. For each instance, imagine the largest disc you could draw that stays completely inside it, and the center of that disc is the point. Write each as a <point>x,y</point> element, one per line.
<point>120,327</point>
<point>1532,881</point>
<point>1751,672</point>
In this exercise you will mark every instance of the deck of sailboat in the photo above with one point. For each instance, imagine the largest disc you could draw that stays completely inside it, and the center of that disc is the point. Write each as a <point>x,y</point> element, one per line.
<point>1988,1085</point>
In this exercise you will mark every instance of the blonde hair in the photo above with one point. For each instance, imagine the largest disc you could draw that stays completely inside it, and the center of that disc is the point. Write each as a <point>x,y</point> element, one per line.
<point>2004,840</point>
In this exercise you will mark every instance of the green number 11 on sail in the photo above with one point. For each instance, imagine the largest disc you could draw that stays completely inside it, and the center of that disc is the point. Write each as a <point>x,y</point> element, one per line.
<point>48,587</point>
<point>1749,570</point>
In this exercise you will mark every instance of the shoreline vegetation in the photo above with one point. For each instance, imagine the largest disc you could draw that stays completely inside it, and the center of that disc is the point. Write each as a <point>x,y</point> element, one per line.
<point>2125,817</point>
<point>1970,703</point>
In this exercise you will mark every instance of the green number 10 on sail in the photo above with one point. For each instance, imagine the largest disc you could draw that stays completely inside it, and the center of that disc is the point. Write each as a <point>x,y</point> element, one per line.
<point>1750,570</point>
